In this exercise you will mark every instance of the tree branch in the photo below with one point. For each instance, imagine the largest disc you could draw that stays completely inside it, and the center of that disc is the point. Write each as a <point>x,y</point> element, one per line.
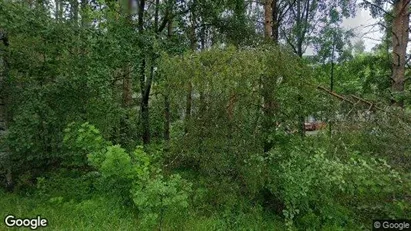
<point>370,104</point>
<point>335,94</point>
<point>168,17</point>
<point>288,41</point>
<point>365,2</point>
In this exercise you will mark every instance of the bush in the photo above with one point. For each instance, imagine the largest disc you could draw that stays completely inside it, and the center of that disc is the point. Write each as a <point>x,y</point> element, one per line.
<point>80,140</point>
<point>131,176</point>
<point>157,196</point>
<point>320,191</point>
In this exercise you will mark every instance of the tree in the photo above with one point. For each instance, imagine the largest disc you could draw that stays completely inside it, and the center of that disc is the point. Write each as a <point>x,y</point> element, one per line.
<point>400,31</point>
<point>398,14</point>
<point>151,36</point>
<point>359,47</point>
<point>306,18</point>
<point>268,19</point>
<point>280,8</point>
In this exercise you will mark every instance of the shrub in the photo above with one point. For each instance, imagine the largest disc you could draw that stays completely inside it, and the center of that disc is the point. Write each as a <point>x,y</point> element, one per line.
<point>320,191</point>
<point>157,196</point>
<point>80,140</point>
<point>132,176</point>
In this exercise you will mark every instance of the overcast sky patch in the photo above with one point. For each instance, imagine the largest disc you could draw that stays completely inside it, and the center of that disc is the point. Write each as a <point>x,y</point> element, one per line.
<point>365,27</point>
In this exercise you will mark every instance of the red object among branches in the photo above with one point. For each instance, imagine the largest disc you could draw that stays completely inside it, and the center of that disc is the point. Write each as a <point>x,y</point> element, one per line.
<point>313,126</point>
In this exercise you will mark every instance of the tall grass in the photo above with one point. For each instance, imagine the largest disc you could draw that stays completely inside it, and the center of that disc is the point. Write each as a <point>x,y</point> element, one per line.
<point>102,213</point>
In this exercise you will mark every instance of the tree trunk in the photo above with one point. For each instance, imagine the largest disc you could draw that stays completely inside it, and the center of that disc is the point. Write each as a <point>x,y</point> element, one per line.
<point>141,15</point>
<point>144,108</point>
<point>85,20</point>
<point>145,84</point>
<point>189,98</point>
<point>4,152</point>
<point>57,13</point>
<point>126,71</point>
<point>167,113</point>
<point>300,27</point>
<point>267,82</point>
<point>268,19</point>
<point>145,115</point>
<point>276,24</point>
<point>127,75</point>
<point>74,10</point>
<point>399,43</point>
<point>202,103</point>
<point>167,118</point>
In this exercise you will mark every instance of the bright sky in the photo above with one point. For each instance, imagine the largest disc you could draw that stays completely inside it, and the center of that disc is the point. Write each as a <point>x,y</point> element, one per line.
<point>365,28</point>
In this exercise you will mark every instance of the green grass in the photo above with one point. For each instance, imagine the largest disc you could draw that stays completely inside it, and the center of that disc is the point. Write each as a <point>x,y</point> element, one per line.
<point>105,214</point>
<point>96,214</point>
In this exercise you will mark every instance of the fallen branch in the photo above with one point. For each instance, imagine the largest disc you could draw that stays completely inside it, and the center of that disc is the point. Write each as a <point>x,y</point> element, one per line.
<point>352,109</point>
<point>335,94</point>
<point>371,104</point>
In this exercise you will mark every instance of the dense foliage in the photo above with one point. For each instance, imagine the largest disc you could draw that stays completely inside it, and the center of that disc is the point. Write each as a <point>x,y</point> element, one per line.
<point>181,115</point>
